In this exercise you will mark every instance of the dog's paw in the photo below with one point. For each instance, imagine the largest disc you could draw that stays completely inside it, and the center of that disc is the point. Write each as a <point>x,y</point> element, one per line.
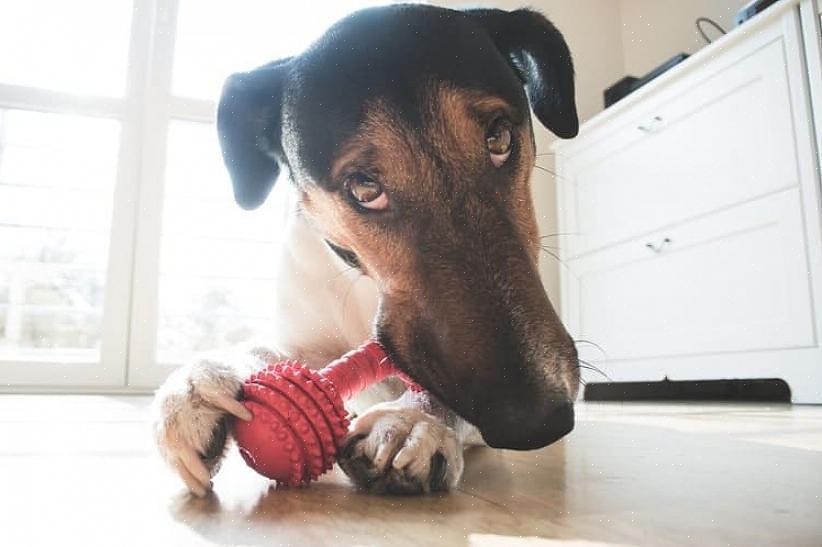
<point>401,451</point>
<point>193,412</point>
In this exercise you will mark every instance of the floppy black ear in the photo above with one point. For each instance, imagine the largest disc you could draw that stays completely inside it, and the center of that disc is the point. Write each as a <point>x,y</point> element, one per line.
<point>249,124</point>
<point>540,56</point>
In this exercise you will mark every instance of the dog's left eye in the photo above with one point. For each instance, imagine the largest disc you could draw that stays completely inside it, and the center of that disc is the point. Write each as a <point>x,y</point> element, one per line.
<point>500,140</point>
<point>366,191</point>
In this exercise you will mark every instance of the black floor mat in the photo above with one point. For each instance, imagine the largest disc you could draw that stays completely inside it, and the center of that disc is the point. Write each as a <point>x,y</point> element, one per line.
<point>772,390</point>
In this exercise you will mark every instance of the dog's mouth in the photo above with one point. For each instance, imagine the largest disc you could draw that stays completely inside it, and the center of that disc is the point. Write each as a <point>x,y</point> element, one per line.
<point>515,401</point>
<point>508,415</point>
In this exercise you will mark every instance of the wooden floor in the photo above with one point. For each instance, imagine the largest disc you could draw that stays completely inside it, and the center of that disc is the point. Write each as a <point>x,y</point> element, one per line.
<point>82,471</point>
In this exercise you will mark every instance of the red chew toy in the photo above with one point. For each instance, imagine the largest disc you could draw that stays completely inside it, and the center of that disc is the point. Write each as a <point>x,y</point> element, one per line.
<point>299,420</point>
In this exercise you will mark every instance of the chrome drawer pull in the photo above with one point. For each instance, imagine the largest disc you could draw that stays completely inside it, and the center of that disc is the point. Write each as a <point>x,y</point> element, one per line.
<point>653,127</point>
<point>659,248</point>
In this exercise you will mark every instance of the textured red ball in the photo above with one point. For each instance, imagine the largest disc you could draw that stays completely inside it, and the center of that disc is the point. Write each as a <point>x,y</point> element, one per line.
<point>299,419</point>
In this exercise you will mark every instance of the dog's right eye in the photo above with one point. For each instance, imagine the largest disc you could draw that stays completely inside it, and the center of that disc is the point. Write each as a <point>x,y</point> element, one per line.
<point>366,191</point>
<point>500,140</point>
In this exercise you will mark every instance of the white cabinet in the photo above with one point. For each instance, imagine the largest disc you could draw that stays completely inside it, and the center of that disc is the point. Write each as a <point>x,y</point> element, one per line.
<point>725,138</point>
<point>704,286</point>
<point>692,209</point>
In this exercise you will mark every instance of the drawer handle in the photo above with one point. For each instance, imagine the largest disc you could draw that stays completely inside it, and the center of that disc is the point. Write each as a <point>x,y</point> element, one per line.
<point>652,127</point>
<point>660,247</point>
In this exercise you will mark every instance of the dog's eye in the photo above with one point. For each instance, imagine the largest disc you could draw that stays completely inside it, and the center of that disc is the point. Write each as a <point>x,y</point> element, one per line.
<point>500,141</point>
<point>366,191</point>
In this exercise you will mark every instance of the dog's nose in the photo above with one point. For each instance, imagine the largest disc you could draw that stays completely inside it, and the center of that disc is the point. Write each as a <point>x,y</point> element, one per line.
<point>519,431</point>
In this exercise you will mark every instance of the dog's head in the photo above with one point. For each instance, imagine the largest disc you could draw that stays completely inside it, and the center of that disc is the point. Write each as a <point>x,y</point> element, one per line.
<point>406,130</point>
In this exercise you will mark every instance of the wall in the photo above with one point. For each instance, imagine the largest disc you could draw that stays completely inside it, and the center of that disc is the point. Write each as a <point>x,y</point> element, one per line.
<point>656,30</point>
<point>592,30</point>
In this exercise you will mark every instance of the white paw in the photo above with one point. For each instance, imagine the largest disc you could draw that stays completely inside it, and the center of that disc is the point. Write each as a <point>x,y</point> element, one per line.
<point>193,410</point>
<point>401,451</point>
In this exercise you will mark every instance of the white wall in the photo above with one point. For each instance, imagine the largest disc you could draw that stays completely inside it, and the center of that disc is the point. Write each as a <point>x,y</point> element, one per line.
<point>653,31</point>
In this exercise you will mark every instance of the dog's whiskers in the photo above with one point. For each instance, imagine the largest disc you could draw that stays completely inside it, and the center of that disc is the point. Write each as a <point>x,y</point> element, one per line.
<point>583,364</point>
<point>558,234</point>
<point>547,250</point>
<point>348,292</point>
<point>549,171</point>
<point>341,273</point>
<point>597,346</point>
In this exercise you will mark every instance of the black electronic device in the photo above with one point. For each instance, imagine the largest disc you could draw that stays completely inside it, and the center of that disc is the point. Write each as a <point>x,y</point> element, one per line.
<point>752,8</point>
<point>629,84</point>
<point>619,90</point>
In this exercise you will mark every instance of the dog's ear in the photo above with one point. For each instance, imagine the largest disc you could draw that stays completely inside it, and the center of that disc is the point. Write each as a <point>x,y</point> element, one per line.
<point>249,124</point>
<point>538,53</point>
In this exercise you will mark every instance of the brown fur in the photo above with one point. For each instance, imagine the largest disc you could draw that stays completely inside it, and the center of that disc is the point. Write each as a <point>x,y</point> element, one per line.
<point>386,145</point>
<point>452,214</point>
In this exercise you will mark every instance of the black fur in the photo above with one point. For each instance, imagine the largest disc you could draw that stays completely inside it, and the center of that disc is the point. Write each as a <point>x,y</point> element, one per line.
<point>250,130</point>
<point>390,52</point>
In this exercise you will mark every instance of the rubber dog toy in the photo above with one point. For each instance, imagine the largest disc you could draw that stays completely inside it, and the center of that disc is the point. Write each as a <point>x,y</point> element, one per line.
<point>299,419</point>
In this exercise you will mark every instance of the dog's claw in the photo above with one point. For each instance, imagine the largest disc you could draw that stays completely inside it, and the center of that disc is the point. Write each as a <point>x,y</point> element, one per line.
<point>348,450</point>
<point>191,482</point>
<point>231,405</point>
<point>193,412</point>
<point>401,451</point>
<point>439,468</point>
<point>192,462</point>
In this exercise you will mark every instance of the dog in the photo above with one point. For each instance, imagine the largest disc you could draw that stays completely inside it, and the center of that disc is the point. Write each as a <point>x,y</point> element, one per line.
<point>405,132</point>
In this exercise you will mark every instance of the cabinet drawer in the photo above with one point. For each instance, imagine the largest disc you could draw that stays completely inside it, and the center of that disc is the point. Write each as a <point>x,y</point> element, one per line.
<point>719,138</point>
<point>732,281</point>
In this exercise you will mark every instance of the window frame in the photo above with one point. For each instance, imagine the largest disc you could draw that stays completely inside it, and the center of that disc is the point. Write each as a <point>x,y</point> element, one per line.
<point>161,108</point>
<point>127,354</point>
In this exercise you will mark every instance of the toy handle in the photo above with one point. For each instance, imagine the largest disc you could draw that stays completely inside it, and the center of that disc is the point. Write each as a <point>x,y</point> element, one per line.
<point>358,369</point>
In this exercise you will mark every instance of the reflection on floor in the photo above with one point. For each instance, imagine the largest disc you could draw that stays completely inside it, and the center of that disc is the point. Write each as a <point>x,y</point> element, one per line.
<point>82,470</point>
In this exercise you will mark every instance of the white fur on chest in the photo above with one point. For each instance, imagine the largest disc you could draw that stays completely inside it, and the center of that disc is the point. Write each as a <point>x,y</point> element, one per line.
<point>323,308</point>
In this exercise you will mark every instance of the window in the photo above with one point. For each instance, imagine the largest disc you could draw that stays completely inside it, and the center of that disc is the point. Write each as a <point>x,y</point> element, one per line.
<point>113,198</point>
<point>57,45</point>
<point>56,186</point>
<point>207,304</point>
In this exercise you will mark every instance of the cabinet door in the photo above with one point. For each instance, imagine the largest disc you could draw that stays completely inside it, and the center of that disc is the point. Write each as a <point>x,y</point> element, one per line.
<point>733,281</point>
<point>721,136</point>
